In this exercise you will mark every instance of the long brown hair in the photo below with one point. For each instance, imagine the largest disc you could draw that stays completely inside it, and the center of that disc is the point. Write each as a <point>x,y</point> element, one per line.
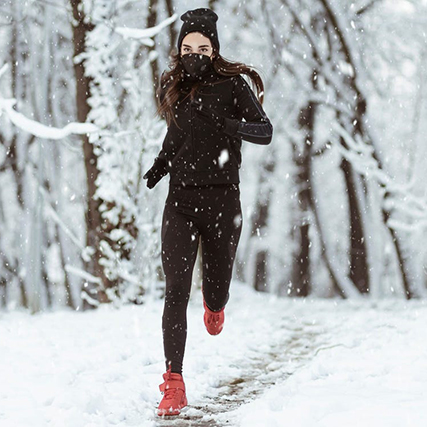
<point>168,91</point>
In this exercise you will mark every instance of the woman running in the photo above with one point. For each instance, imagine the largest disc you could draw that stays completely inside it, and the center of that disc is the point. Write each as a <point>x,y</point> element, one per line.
<point>204,99</point>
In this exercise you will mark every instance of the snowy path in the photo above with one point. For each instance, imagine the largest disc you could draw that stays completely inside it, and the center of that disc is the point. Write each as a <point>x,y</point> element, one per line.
<point>258,372</point>
<point>278,362</point>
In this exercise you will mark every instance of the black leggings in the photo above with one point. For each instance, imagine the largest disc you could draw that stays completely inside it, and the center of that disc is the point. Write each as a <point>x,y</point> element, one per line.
<point>213,212</point>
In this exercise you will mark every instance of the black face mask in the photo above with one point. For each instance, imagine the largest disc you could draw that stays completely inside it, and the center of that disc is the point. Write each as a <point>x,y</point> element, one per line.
<point>196,65</point>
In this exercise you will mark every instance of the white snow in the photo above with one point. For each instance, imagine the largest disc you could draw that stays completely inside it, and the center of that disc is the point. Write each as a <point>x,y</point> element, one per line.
<point>145,33</point>
<point>40,130</point>
<point>303,362</point>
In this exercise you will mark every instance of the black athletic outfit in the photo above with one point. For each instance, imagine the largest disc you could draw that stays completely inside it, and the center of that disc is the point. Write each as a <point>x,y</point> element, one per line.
<point>201,152</point>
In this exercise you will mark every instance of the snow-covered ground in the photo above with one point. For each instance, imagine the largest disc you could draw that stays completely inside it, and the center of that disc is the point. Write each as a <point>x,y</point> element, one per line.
<point>278,362</point>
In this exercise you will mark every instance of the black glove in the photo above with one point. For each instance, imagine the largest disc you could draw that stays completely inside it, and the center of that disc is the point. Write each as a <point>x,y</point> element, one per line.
<point>156,173</point>
<point>216,120</point>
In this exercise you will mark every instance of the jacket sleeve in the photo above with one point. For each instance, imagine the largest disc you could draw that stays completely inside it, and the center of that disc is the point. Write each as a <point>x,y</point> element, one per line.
<point>257,127</point>
<point>160,161</point>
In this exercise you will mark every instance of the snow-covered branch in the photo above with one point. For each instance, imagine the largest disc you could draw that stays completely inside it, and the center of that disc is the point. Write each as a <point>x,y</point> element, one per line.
<point>54,215</point>
<point>83,274</point>
<point>360,156</point>
<point>145,35</point>
<point>38,129</point>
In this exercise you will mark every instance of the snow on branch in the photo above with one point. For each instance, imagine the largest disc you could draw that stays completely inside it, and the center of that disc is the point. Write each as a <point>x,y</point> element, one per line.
<point>410,228</point>
<point>360,156</point>
<point>54,215</point>
<point>325,66</point>
<point>311,37</point>
<point>3,70</point>
<point>144,35</point>
<point>38,129</point>
<point>82,274</point>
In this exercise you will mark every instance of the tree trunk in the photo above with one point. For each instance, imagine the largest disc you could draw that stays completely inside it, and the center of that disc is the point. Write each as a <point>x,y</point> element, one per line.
<point>260,225</point>
<point>151,22</point>
<point>92,214</point>
<point>172,32</point>
<point>301,265</point>
<point>359,273</point>
<point>395,240</point>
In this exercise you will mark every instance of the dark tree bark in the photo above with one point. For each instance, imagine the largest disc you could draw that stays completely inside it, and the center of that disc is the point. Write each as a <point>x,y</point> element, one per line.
<point>212,4</point>
<point>402,265</point>
<point>92,215</point>
<point>151,22</point>
<point>172,32</point>
<point>259,226</point>
<point>359,272</point>
<point>302,158</point>
<point>3,300</point>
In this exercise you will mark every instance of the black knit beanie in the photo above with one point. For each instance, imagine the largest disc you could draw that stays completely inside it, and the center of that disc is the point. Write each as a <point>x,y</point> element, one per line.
<point>202,20</point>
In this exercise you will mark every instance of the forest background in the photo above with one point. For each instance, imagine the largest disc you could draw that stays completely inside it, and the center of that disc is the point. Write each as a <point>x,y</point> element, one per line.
<point>335,206</point>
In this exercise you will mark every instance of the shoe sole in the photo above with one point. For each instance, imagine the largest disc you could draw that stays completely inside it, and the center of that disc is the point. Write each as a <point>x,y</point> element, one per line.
<point>165,412</point>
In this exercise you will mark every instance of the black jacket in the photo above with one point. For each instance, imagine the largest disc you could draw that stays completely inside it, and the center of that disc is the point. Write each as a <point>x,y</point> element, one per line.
<point>193,151</point>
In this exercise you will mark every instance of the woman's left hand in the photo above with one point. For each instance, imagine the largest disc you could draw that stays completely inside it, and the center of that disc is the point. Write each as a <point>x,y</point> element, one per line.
<point>208,115</point>
<point>212,118</point>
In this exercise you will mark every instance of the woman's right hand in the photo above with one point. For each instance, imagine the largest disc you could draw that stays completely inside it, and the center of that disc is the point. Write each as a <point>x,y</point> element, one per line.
<point>155,173</point>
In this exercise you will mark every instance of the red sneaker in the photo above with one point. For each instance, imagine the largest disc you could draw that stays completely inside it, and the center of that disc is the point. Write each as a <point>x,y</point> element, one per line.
<point>214,320</point>
<point>174,398</point>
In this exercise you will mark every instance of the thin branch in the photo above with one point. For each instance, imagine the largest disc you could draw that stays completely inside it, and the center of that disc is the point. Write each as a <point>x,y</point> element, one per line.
<point>54,215</point>
<point>367,7</point>
<point>311,37</point>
